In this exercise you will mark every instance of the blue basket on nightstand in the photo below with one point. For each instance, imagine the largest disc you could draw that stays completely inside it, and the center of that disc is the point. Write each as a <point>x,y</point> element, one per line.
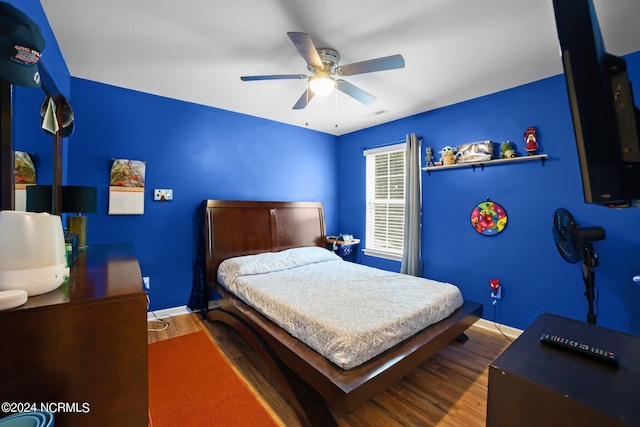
<point>343,245</point>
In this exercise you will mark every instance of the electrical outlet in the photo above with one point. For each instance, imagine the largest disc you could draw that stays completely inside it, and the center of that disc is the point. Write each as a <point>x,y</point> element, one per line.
<point>146,283</point>
<point>497,294</point>
<point>162,195</point>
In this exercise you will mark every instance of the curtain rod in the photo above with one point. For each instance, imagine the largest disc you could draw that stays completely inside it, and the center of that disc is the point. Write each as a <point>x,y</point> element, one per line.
<point>386,144</point>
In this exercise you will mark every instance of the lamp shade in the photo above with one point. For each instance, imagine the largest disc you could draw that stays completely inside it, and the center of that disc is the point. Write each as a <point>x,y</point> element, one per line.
<point>39,198</point>
<point>76,199</point>
<point>79,199</point>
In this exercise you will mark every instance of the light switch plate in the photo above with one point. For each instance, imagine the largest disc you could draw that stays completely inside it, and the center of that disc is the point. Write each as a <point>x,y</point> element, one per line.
<point>162,195</point>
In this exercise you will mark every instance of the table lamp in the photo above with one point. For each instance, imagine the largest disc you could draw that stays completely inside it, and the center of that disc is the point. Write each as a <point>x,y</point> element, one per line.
<point>78,199</point>
<point>75,199</point>
<point>39,198</point>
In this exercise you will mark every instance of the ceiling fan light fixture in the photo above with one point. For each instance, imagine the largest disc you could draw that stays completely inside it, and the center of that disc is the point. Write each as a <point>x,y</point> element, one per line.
<point>325,75</point>
<point>322,86</point>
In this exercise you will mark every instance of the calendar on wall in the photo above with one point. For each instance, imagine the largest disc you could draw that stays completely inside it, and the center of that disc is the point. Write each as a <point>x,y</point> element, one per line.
<point>126,187</point>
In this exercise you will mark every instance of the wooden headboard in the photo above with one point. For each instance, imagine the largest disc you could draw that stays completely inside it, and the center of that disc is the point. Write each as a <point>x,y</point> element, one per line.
<point>236,228</point>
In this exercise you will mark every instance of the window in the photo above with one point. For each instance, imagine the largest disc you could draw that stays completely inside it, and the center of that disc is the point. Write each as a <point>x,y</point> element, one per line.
<point>385,201</point>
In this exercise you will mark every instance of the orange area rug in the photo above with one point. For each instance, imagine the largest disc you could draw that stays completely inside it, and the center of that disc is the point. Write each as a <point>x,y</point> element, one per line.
<point>192,384</point>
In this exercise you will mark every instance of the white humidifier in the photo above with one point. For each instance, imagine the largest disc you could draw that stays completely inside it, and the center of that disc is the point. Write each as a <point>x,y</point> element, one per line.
<point>32,252</point>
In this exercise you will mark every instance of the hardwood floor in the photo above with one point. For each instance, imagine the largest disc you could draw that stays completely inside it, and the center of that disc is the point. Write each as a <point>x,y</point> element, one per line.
<point>450,389</point>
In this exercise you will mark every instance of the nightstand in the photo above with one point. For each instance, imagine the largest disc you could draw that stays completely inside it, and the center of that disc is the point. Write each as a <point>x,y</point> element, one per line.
<point>531,384</point>
<point>347,250</point>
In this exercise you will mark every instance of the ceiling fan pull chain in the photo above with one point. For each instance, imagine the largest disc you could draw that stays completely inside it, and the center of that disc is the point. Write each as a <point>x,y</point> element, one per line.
<point>336,94</point>
<point>306,110</point>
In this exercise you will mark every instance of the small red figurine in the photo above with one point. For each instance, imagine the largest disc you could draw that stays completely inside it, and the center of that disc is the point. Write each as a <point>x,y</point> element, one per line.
<point>531,140</point>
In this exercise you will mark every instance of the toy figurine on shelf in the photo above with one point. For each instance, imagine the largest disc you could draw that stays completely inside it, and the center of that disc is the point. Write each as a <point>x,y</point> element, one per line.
<point>507,151</point>
<point>531,141</point>
<point>429,157</point>
<point>448,156</point>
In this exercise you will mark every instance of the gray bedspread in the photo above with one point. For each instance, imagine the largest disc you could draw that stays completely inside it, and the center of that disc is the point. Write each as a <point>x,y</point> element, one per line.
<point>347,312</point>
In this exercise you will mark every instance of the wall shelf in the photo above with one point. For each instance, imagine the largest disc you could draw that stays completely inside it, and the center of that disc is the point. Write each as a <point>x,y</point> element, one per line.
<point>493,162</point>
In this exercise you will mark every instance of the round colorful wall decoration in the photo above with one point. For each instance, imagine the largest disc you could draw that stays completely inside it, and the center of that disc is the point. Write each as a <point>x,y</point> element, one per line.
<point>488,218</point>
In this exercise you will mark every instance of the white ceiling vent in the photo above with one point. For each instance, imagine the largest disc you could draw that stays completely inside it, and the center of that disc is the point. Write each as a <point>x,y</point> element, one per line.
<point>376,113</point>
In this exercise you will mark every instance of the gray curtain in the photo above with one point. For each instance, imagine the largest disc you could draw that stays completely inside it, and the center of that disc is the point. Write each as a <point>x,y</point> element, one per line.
<point>411,260</point>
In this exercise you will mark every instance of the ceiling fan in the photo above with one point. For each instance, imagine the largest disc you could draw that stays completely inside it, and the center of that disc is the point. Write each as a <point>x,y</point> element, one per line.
<point>326,73</point>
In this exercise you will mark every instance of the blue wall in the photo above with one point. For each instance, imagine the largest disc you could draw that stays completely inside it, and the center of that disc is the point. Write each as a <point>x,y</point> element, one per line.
<point>200,153</point>
<point>535,277</point>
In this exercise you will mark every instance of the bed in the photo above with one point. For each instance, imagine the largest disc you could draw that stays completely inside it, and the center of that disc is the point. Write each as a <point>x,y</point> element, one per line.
<point>232,234</point>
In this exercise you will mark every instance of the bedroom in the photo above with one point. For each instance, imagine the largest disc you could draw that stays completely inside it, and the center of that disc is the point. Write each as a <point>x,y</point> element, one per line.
<point>212,145</point>
<point>203,152</point>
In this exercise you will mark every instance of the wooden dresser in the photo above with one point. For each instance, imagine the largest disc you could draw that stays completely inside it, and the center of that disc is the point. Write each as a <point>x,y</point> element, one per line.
<point>81,350</point>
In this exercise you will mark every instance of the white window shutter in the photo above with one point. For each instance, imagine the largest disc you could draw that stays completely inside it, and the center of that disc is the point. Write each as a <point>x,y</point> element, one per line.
<point>385,200</point>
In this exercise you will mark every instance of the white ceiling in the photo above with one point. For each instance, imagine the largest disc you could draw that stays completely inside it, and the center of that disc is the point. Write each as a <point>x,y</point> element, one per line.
<point>196,50</point>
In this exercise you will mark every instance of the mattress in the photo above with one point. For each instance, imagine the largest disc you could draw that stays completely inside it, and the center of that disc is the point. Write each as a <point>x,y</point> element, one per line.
<point>347,312</point>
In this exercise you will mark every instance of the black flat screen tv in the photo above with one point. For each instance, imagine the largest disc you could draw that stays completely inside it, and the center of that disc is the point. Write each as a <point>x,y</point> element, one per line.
<point>605,118</point>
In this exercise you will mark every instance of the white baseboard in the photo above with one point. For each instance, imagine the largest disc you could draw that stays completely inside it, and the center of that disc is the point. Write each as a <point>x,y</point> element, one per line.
<point>490,326</point>
<point>174,311</point>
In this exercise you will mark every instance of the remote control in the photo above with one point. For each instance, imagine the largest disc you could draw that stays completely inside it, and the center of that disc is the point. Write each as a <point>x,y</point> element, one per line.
<point>576,347</point>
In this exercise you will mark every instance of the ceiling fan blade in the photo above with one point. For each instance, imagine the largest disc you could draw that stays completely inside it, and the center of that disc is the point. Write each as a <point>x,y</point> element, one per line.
<point>355,92</point>
<point>274,77</point>
<point>379,64</point>
<point>304,99</point>
<point>307,49</point>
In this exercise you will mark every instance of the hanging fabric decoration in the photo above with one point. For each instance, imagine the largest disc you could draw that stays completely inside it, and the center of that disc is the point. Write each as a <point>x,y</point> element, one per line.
<point>488,218</point>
